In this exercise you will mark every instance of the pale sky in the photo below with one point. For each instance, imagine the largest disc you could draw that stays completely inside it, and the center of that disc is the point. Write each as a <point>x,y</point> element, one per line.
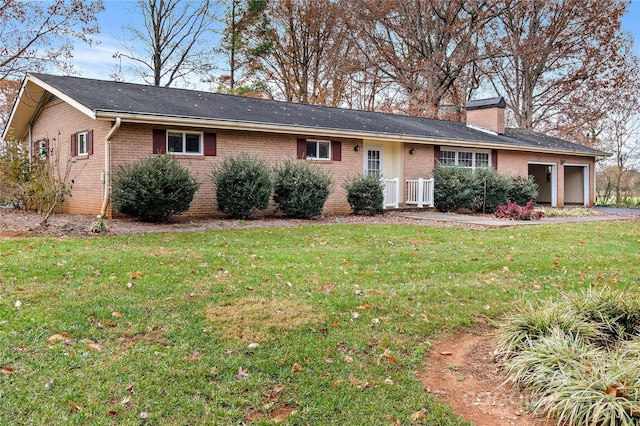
<point>98,62</point>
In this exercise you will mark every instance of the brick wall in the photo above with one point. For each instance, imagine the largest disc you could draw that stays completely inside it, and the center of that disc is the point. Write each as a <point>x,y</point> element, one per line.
<point>133,142</point>
<point>57,121</point>
<point>517,163</point>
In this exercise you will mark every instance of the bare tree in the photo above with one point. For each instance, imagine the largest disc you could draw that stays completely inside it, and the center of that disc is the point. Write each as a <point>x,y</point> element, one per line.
<point>9,89</point>
<point>620,135</point>
<point>38,35</point>
<point>171,40</point>
<point>301,50</point>
<point>429,48</point>
<point>542,53</point>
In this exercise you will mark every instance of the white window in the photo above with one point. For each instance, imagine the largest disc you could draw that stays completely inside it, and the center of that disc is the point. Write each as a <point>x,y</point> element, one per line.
<point>318,150</point>
<point>471,159</point>
<point>184,142</point>
<point>43,150</point>
<point>83,143</point>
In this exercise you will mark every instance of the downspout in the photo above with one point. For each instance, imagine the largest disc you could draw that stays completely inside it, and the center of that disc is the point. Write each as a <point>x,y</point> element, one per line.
<point>107,167</point>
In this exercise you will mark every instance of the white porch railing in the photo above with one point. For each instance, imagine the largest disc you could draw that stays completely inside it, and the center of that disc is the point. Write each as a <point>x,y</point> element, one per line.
<point>391,189</point>
<point>420,192</point>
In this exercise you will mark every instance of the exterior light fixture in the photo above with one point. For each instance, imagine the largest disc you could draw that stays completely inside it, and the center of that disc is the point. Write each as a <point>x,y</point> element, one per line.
<point>356,148</point>
<point>412,151</point>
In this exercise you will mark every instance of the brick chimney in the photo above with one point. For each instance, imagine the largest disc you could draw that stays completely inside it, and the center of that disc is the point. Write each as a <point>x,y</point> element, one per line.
<point>487,114</point>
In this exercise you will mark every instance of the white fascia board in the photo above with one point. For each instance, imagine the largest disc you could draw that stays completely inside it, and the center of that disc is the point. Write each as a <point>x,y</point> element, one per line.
<point>292,130</point>
<point>77,105</point>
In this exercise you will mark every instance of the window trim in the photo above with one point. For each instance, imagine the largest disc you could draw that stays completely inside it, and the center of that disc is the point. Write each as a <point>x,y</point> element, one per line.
<point>184,134</point>
<point>318,142</point>
<point>473,151</point>
<point>84,135</point>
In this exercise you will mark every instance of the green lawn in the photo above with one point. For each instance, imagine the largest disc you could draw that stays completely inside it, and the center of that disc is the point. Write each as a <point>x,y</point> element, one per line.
<point>110,330</point>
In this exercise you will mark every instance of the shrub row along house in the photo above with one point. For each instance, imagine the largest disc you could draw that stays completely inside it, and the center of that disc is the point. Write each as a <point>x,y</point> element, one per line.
<point>101,125</point>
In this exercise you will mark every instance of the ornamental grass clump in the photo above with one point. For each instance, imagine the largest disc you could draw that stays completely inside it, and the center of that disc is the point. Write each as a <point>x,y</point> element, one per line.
<point>578,358</point>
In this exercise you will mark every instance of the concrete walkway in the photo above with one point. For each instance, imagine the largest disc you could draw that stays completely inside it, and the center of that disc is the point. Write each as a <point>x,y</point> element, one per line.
<point>488,220</point>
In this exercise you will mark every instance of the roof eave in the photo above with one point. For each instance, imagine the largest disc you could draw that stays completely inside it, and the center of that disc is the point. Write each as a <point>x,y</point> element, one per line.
<point>128,117</point>
<point>66,98</point>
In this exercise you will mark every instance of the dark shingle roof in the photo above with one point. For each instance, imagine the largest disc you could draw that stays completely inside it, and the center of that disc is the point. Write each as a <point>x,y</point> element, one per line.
<point>498,102</point>
<point>116,97</point>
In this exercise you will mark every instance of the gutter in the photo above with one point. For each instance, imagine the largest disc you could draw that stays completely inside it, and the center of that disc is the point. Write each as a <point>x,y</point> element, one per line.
<point>297,130</point>
<point>107,167</point>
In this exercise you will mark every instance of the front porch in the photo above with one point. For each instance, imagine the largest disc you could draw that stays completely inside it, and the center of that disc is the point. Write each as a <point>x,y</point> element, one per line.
<point>419,193</point>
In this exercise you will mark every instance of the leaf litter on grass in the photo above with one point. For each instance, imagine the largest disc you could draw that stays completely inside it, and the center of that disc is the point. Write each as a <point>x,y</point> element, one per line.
<point>254,319</point>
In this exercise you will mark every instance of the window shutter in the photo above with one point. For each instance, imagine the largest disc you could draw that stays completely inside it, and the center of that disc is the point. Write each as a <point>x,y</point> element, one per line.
<point>74,144</point>
<point>436,155</point>
<point>336,150</point>
<point>209,142</point>
<point>302,149</point>
<point>494,159</point>
<point>159,141</point>
<point>90,142</point>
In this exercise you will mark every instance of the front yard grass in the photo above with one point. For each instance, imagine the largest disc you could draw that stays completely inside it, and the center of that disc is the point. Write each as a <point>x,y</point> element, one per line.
<point>320,325</point>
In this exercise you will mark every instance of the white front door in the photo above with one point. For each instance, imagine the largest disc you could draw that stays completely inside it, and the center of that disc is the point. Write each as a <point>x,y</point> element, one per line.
<point>373,161</point>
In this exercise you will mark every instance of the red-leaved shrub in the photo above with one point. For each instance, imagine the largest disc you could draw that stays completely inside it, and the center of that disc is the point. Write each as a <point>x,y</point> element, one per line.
<point>513,211</point>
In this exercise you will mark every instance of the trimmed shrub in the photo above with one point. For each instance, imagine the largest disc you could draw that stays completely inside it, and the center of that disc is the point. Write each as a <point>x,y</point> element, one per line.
<point>243,185</point>
<point>155,189</point>
<point>301,189</point>
<point>523,189</point>
<point>494,188</point>
<point>483,190</point>
<point>454,188</point>
<point>365,194</point>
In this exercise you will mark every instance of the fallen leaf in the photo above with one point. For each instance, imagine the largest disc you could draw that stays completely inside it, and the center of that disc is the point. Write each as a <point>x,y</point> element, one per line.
<point>112,413</point>
<point>116,314</point>
<point>144,415</point>
<point>18,303</point>
<point>63,336</point>
<point>7,370</point>
<point>348,358</point>
<point>74,406</point>
<point>95,347</point>
<point>251,346</point>
<point>418,415</point>
<point>364,307</point>
<point>296,367</point>
<point>242,374</point>
<point>446,353</point>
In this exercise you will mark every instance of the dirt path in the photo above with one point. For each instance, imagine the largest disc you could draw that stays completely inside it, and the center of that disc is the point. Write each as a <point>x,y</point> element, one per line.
<point>461,373</point>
